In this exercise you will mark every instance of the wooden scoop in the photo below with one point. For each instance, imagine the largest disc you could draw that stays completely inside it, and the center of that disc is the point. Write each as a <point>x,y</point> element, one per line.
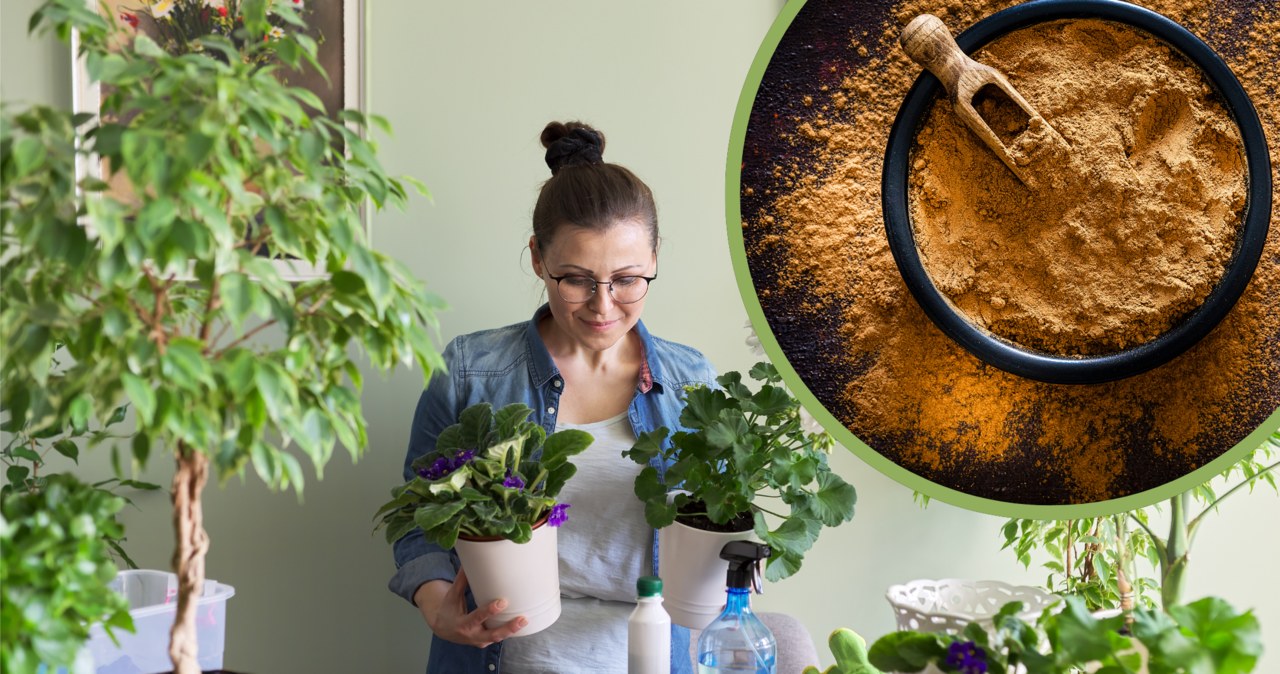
<point>928,42</point>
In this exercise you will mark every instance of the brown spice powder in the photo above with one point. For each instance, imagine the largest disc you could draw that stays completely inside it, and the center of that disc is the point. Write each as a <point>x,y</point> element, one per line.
<point>1123,236</point>
<point>835,301</point>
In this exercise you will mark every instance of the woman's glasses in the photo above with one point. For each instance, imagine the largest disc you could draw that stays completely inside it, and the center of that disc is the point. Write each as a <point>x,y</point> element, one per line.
<point>577,289</point>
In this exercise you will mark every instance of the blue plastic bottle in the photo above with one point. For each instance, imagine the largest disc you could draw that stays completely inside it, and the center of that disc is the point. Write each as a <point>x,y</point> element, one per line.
<point>737,641</point>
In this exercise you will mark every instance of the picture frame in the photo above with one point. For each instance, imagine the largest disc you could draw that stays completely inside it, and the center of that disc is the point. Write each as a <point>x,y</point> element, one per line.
<point>341,53</point>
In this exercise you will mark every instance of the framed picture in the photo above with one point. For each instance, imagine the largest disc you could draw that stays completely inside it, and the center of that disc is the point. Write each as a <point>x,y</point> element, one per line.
<point>338,26</point>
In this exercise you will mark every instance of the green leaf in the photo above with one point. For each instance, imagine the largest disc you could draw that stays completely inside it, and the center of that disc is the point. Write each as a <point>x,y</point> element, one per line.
<point>432,515</point>
<point>68,449</point>
<point>794,535</point>
<point>647,446</point>
<point>185,366</point>
<point>240,296</point>
<point>276,388</point>
<point>79,412</point>
<point>562,445</point>
<point>26,454</point>
<point>367,264</point>
<point>835,500</point>
<point>141,446</point>
<point>659,514</point>
<point>17,475</point>
<point>142,397</point>
<point>908,651</point>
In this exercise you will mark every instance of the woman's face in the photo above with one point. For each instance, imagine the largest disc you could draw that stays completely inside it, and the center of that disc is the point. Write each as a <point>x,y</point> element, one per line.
<point>621,250</point>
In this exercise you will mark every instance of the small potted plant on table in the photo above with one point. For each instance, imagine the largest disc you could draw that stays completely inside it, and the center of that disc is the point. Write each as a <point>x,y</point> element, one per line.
<point>489,491</point>
<point>741,448</point>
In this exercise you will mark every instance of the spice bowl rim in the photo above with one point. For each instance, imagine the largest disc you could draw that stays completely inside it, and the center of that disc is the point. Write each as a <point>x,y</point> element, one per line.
<point>1057,369</point>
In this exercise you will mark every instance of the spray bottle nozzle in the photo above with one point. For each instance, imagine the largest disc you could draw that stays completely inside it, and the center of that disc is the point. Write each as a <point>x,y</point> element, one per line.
<point>744,563</point>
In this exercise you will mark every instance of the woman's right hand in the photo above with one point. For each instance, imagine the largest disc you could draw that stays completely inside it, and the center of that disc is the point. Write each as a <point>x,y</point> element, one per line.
<point>444,606</point>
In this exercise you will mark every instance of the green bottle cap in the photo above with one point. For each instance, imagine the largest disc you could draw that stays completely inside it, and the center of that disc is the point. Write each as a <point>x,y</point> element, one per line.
<point>649,586</point>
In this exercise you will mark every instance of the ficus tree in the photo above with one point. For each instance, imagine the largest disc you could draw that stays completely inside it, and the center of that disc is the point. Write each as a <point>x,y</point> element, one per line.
<point>169,300</point>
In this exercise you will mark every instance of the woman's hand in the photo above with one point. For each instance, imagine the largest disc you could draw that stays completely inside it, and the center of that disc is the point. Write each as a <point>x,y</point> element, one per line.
<point>444,606</point>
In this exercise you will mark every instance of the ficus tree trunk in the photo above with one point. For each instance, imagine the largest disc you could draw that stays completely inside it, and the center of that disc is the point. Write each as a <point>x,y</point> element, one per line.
<point>190,547</point>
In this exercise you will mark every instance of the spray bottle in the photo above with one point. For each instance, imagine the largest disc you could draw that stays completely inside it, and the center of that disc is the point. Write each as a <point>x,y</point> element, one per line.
<point>737,641</point>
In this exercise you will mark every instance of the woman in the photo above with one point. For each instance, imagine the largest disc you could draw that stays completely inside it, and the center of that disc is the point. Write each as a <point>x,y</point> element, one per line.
<point>583,361</point>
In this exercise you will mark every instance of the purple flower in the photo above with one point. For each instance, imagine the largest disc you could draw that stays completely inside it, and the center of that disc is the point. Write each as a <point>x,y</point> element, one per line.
<point>967,657</point>
<point>442,466</point>
<point>463,458</point>
<point>558,515</point>
<point>513,482</point>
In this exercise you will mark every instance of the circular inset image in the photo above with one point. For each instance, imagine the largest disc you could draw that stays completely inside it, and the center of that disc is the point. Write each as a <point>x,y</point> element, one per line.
<point>1045,286</point>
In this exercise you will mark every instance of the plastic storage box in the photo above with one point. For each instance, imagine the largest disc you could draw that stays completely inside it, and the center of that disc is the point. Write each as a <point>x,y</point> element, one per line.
<point>153,603</point>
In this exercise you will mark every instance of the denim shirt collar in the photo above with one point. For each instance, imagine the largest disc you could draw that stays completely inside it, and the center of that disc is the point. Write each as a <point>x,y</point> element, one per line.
<point>543,369</point>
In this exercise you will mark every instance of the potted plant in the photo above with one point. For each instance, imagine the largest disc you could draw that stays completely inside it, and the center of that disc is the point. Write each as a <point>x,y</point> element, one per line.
<point>171,301</point>
<point>740,453</point>
<point>58,538</point>
<point>55,572</point>
<point>1204,636</point>
<point>489,491</point>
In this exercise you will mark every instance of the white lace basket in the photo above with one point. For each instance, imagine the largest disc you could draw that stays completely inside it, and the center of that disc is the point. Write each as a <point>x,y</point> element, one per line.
<point>949,604</point>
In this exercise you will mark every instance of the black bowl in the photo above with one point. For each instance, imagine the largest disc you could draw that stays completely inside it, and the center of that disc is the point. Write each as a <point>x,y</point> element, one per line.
<point>1051,368</point>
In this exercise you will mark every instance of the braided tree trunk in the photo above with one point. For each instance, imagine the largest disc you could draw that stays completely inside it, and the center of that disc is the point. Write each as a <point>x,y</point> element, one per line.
<point>188,555</point>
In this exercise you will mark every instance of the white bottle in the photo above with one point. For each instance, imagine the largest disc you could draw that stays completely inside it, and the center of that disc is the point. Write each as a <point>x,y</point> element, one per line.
<point>649,630</point>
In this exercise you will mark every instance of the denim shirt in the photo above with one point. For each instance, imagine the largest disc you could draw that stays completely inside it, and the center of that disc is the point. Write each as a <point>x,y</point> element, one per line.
<point>512,365</point>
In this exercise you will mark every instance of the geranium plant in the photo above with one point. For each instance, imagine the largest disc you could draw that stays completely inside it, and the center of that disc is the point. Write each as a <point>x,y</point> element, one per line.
<point>740,448</point>
<point>492,474</point>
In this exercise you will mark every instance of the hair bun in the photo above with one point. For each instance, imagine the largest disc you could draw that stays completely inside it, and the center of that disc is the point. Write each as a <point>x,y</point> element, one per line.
<point>571,144</point>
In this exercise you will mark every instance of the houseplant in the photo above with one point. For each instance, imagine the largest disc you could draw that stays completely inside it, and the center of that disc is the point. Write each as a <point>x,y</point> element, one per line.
<point>743,464</point>
<point>55,571</point>
<point>58,536</point>
<point>1206,636</point>
<point>170,302</point>
<point>1096,558</point>
<point>487,490</point>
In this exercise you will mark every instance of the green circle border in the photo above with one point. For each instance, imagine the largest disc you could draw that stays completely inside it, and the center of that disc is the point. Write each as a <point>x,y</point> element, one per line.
<point>737,252</point>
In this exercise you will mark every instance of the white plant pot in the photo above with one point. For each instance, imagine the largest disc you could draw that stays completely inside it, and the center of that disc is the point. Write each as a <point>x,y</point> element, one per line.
<point>693,575</point>
<point>527,575</point>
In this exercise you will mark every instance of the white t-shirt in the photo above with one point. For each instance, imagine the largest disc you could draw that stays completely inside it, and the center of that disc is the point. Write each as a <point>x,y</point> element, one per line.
<point>604,547</point>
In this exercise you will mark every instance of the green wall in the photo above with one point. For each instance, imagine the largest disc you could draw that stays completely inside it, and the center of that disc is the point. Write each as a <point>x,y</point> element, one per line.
<point>468,86</point>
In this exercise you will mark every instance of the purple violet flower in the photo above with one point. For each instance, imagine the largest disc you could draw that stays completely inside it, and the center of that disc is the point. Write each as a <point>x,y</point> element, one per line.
<point>439,468</point>
<point>463,458</point>
<point>558,515</point>
<point>513,482</point>
<point>442,466</point>
<point>967,657</point>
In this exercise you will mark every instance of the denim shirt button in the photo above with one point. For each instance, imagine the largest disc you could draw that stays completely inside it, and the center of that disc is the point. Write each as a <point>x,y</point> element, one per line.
<point>557,383</point>
<point>492,667</point>
<point>551,410</point>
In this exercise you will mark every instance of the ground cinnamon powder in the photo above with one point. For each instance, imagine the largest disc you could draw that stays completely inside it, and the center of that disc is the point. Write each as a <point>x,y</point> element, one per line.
<point>828,285</point>
<point>1124,234</point>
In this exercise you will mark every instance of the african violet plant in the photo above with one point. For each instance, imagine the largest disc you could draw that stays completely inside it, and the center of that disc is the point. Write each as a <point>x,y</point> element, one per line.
<point>1206,636</point>
<point>743,447</point>
<point>492,474</point>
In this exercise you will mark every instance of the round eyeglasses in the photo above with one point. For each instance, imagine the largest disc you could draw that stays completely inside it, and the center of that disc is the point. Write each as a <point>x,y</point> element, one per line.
<point>577,289</point>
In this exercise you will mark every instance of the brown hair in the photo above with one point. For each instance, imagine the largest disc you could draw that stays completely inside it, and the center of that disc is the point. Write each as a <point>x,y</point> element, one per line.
<point>584,190</point>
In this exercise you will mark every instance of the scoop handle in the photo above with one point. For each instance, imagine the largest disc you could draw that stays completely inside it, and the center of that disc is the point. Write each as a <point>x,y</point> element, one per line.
<point>928,42</point>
